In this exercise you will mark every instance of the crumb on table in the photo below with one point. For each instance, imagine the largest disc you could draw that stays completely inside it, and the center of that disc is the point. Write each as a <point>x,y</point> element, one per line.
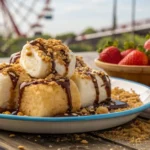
<point>84,142</point>
<point>135,132</point>
<point>20,147</point>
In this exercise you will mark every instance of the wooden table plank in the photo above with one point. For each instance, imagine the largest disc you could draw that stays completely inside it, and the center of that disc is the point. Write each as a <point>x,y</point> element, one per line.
<point>73,142</point>
<point>7,143</point>
<point>144,145</point>
<point>56,142</point>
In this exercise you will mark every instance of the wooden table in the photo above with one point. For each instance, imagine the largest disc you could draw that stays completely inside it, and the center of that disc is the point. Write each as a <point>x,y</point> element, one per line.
<point>85,141</point>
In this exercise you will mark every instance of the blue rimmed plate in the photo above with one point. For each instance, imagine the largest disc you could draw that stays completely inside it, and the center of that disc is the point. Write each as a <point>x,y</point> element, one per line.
<point>59,125</point>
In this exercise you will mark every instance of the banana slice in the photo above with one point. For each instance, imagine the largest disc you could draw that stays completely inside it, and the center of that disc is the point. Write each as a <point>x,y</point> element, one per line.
<point>42,57</point>
<point>94,86</point>
<point>34,65</point>
<point>68,68</point>
<point>11,76</point>
<point>6,87</point>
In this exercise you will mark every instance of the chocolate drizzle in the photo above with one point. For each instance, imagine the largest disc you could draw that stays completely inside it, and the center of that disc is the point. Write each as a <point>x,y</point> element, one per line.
<point>64,84</point>
<point>111,104</point>
<point>79,62</point>
<point>14,57</point>
<point>14,78</point>
<point>49,54</point>
<point>114,104</point>
<point>1,68</point>
<point>41,47</point>
<point>107,85</point>
<point>67,62</point>
<point>53,63</point>
<point>94,80</point>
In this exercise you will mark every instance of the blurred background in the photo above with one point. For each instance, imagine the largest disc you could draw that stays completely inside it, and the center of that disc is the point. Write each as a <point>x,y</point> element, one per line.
<point>84,25</point>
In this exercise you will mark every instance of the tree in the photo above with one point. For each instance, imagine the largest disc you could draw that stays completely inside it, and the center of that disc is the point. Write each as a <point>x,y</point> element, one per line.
<point>89,31</point>
<point>81,47</point>
<point>66,36</point>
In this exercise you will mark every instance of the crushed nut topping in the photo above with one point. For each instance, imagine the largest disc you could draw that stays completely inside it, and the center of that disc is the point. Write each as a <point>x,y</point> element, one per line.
<point>80,62</point>
<point>51,46</point>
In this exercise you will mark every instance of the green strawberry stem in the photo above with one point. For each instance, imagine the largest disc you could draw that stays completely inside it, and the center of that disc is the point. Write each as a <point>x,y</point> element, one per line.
<point>141,48</point>
<point>108,44</point>
<point>129,45</point>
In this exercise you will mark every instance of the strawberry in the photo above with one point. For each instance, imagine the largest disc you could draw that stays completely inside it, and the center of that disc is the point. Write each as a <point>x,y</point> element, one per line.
<point>110,54</point>
<point>147,45</point>
<point>126,52</point>
<point>135,58</point>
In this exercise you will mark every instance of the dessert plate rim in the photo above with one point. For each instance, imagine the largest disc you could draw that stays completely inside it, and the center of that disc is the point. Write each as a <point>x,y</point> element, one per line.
<point>82,118</point>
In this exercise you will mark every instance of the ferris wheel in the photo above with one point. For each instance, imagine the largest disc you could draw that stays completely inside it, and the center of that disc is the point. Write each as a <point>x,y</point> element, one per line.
<point>22,18</point>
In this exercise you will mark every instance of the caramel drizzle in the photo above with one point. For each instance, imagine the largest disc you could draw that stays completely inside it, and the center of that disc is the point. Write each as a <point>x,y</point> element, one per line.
<point>14,57</point>
<point>64,84</point>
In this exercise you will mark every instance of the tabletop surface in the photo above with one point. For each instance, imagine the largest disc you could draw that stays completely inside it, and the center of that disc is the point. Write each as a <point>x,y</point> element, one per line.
<point>85,141</point>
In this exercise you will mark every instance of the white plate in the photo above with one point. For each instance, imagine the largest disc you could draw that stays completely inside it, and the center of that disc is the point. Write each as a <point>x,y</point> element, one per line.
<point>60,125</point>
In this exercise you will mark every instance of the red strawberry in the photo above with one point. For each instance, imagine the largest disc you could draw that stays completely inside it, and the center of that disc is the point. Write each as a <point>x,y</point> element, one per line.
<point>147,45</point>
<point>126,52</point>
<point>135,58</point>
<point>111,55</point>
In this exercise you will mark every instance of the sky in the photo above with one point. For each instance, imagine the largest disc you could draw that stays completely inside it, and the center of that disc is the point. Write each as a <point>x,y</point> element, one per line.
<point>77,15</point>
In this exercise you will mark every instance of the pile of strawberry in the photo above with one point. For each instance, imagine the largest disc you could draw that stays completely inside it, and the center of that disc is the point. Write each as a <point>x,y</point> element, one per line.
<point>131,56</point>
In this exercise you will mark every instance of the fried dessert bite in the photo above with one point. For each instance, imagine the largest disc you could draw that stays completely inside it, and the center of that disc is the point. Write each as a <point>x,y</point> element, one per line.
<point>45,98</point>
<point>42,57</point>
<point>94,86</point>
<point>47,79</point>
<point>10,78</point>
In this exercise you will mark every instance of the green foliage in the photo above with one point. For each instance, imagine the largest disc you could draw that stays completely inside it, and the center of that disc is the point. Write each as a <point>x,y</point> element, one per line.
<point>65,36</point>
<point>125,41</point>
<point>147,36</point>
<point>81,47</point>
<point>89,31</point>
<point>102,42</point>
<point>12,45</point>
